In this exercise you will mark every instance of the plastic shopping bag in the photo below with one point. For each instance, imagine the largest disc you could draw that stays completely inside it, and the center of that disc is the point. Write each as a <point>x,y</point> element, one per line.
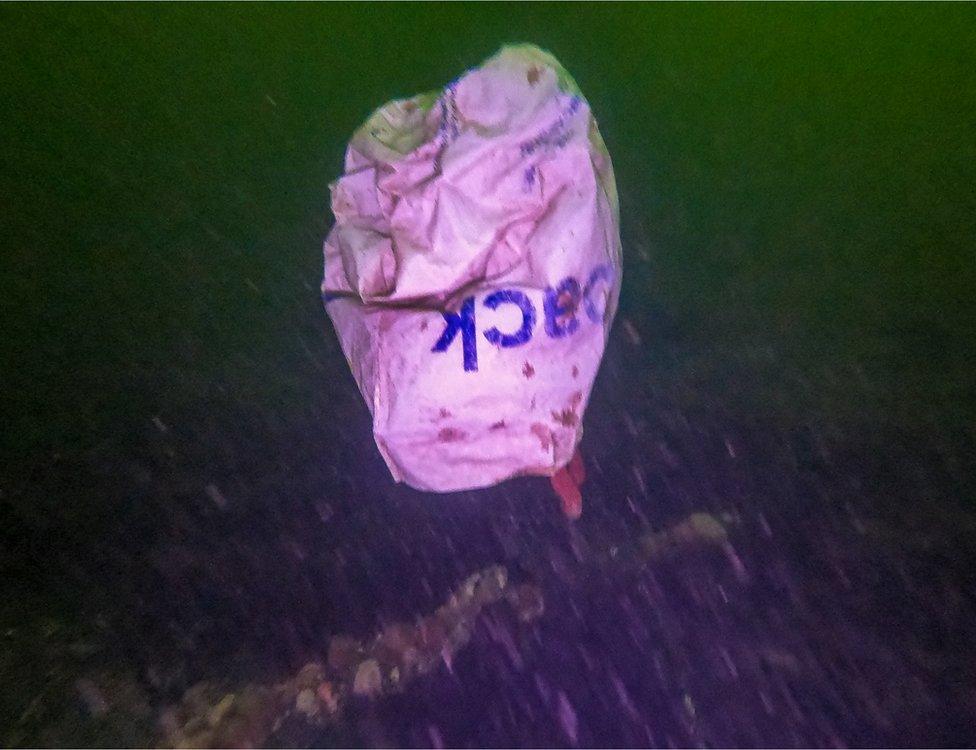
<point>473,272</point>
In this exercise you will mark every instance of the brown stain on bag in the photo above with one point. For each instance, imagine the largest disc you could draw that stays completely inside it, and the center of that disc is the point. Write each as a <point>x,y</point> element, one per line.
<point>566,417</point>
<point>543,433</point>
<point>451,435</point>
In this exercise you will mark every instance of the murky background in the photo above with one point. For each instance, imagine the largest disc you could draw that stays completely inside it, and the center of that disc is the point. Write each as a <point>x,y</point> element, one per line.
<point>198,540</point>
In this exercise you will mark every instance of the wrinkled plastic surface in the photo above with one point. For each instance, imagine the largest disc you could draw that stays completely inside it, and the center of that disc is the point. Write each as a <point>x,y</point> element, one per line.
<point>473,272</point>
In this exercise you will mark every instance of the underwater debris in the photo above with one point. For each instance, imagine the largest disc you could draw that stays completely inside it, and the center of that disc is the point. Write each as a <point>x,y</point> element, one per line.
<point>209,716</point>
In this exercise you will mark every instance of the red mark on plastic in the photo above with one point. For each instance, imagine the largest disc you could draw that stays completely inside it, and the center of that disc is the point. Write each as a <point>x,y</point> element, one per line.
<point>570,497</point>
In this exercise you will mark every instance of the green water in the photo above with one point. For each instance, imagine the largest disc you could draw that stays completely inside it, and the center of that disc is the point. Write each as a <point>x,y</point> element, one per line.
<point>800,180</point>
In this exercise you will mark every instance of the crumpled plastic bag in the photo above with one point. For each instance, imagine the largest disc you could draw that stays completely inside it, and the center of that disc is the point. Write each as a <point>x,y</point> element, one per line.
<point>473,272</point>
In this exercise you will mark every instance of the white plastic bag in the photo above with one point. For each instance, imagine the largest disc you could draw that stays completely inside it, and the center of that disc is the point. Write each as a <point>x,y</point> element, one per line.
<point>473,272</point>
